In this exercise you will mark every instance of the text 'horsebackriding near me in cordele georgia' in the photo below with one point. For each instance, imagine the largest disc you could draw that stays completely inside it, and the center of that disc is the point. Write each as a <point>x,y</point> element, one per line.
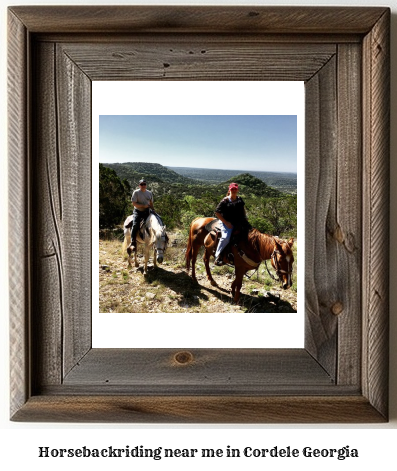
<point>231,240</point>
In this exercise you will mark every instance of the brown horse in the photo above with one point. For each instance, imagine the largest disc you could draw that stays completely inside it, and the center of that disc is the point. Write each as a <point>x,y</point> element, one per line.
<point>247,255</point>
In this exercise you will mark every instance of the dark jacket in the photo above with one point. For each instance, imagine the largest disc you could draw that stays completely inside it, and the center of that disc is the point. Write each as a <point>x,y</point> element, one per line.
<point>232,211</point>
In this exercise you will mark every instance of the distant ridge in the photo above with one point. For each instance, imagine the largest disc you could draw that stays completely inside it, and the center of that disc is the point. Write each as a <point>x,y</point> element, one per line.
<point>163,180</point>
<point>134,171</point>
<point>283,181</point>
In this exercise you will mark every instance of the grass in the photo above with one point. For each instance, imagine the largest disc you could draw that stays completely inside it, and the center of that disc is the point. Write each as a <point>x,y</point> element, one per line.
<point>171,289</point>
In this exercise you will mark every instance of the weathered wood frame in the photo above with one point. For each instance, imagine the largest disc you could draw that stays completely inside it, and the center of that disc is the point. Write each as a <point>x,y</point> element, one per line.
<point>342,54</point>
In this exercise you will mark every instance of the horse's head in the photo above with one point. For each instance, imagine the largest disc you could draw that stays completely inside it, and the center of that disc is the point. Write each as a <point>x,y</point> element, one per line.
<point>282,261</point>
<point>161,244</point>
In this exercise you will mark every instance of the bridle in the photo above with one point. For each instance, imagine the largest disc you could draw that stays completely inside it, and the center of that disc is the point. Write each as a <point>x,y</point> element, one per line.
<point>276,266</point>
<point>164,238</point>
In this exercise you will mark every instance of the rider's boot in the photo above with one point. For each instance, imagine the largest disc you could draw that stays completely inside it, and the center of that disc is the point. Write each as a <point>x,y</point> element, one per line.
<point>219,259</point>
<point>132,246</point>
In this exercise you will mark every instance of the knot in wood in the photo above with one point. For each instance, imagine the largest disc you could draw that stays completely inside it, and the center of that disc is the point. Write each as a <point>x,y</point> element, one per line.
<point>337,308</point>
<point>338,235</point>
<point>183,358</point>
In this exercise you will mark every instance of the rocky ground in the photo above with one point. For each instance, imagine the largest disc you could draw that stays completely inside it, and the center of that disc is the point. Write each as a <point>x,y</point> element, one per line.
<point>168,288</point>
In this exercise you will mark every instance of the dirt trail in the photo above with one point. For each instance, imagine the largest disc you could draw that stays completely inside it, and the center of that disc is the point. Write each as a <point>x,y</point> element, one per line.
<point>168,288</point>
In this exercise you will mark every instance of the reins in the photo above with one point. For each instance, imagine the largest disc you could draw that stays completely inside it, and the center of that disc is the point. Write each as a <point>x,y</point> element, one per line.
<point>277,268</point>
<point>271,274</point>
<point>273,257</point>
<point>255,265</point>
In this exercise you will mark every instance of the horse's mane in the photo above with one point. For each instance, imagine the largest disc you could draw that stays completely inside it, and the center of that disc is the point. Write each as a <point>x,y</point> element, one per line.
<point>160,221</point>
<point>260,242</point>
<point>157,216</point>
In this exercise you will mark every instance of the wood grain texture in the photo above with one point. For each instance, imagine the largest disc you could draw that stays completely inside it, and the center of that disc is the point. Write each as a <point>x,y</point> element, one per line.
<point>347,225</point>
<point>19,224</point>
<point>62,208</point>
<point>376,92</point>
<point>47,289</point>
<point>341,376</point>
<point>223,59</point>
<point>74,125</point>
<point>333,243</point>
<point>320,263</point>
<point>199,409</point>
<point>246,370</point>
<point>198,20</point>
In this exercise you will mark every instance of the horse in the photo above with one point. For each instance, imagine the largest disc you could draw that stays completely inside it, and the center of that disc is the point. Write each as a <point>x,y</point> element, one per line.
<point>151,234</point>
<point>247,254</point>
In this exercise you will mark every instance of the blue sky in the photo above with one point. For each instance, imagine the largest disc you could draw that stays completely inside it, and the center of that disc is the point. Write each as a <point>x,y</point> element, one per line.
<point>237,142</point>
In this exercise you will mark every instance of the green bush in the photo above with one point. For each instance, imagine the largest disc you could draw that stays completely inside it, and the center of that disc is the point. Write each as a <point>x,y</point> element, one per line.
<point>186,221</point>
<point>261,224</point>
<point>169,208</point>
<point>114,198</point>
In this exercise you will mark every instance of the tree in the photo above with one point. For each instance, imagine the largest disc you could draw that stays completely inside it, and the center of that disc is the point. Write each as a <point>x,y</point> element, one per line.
<point>281,213</point>
<point>169,208</point>
<point>114,198</point>
<point>274,216</point>
<point>202,207</point>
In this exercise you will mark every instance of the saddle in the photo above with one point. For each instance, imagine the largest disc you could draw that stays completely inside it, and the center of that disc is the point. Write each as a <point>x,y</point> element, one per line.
<point>215,231</point>
<point>213,226</point>
<point>237,235</point>
<point>141,231</point>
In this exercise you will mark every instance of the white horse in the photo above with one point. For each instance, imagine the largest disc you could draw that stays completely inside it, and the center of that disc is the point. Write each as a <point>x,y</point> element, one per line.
<point>151,234</point>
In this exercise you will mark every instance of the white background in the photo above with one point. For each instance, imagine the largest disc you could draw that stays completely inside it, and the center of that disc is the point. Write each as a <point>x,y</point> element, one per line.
<point>20,442</point>
<point>221,330</point>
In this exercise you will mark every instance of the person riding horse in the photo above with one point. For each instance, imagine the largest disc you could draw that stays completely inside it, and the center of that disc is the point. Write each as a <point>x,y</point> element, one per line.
<point>142,199</point>
<point>231,213</point>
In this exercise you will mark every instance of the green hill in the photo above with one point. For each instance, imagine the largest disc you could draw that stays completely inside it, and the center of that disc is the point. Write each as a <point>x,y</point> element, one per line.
<point>153,173</point>
<point>282,181</point>
<point>250,185</point>
<point>180,199</point>
<point>163,181</point>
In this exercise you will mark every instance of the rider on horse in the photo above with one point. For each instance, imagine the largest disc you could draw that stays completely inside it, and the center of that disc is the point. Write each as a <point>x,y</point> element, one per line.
<point>231,213</point>
<point>142,199</point>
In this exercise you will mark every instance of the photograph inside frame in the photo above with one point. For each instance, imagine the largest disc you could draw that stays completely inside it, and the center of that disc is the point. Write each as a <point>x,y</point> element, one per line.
<point>198,214</point>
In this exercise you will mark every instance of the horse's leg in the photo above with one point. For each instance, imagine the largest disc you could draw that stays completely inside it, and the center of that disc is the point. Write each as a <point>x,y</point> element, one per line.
<point>136,255</point>
<point>195,250</point>
<point>233,287</point>
<point>237,286</point>
<point>206,258</point>
<point>210,244</point>
<point>147,250</point>
<point>126,245</point>
<point>196,240</point>
<point>155,257</point>
<point>129,257</point>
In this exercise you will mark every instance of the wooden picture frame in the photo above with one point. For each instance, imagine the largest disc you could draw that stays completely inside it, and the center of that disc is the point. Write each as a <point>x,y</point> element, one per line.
<point>342,54</point>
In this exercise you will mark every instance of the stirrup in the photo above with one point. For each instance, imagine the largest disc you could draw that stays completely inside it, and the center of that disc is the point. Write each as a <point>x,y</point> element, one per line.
<point>218,262</point>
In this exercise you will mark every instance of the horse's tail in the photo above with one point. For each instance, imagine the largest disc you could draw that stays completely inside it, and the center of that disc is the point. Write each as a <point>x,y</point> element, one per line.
<point>127,234</point>
<point>127,240</point>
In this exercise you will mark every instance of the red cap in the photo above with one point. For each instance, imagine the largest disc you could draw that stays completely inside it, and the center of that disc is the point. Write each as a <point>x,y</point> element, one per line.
<point>233,185</point>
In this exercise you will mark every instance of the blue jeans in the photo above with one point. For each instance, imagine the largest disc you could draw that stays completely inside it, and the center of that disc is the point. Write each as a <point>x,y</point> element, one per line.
<point>226,233</point>
<point>137,217</point>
